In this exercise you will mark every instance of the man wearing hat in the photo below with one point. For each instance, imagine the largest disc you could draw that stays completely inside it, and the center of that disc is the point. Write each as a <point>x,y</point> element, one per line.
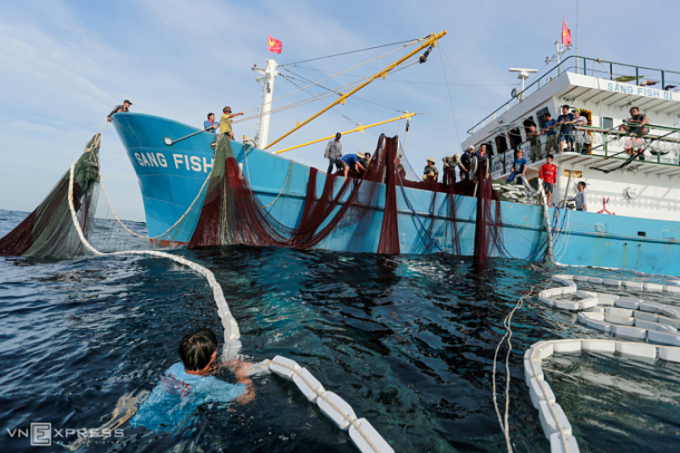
<point>120,108</point>
<point>334,153</point>
<point>430,173</point>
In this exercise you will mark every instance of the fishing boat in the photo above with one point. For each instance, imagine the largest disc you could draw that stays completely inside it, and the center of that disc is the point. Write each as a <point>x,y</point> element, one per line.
<point>173,162</point>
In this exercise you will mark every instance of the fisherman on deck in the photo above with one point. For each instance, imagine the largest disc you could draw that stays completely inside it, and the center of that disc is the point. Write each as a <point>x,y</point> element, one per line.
<point>351,162</point>
<point>364,158</point>
<point>209,124</point>
<point>225,123</point>
<point>551,144</point>
<point>450,164</point>
<point>465,160</point>
<point>430,172</point>
<point>400,168</point>
<point>566,120</point>
<point>334,153</point>
<point>636,118</point>
<point>120,108</point>
<point>482,158</point>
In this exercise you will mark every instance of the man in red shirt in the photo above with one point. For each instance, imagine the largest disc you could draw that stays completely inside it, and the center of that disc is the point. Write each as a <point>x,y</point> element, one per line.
<point>548,174</point>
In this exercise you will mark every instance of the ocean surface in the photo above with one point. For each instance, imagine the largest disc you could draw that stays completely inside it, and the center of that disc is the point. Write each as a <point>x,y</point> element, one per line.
<point>408,341</point>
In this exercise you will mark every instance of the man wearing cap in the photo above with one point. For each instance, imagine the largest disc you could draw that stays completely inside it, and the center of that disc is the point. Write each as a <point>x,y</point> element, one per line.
<point>430,173</point>
<point>334,153</point>
<point>120,108</point>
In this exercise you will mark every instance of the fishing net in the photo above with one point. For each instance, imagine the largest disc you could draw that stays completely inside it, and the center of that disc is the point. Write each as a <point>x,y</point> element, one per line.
<point>232,213</point>
<point>49,231</point>
<point>488,238</point>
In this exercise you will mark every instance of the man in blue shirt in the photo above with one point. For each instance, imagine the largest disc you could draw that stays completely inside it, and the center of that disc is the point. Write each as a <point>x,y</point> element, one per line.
<point>209,125</point>
<point>519,167</point>
<point>188,384</point>
<point>351,161</point>
<point>566,120</point>
<point>549,129</point>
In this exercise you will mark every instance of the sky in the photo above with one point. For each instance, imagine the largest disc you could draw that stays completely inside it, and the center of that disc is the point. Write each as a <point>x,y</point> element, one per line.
<point>65,65</point>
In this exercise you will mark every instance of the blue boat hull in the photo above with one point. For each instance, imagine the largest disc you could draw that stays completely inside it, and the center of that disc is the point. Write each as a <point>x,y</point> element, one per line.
<point>171,178</point>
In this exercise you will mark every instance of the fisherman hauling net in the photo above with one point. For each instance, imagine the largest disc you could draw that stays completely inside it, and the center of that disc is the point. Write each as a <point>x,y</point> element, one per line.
<point>49,230</point>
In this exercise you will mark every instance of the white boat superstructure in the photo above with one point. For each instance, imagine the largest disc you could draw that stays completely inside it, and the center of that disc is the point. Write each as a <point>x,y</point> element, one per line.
<point>604,92</point>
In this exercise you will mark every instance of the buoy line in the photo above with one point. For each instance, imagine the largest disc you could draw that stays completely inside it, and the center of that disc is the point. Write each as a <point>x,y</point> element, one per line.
<point>621,316</point>
<point>362,433</point>
<point>554,422</point>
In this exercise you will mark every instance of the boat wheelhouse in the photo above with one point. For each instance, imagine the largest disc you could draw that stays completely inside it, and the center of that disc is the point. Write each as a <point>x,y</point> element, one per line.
<point>604,92</point>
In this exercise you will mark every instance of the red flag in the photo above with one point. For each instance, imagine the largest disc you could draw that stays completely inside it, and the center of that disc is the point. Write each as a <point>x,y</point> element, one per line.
<point>566,33</point>
<point>275,45</point>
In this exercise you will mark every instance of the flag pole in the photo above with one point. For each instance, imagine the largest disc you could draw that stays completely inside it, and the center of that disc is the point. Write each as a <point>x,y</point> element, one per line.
<point>576,43</point>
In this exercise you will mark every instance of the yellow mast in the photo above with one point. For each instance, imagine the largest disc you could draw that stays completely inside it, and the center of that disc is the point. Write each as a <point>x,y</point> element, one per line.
<point>361,129</point>
<point>431,41</point>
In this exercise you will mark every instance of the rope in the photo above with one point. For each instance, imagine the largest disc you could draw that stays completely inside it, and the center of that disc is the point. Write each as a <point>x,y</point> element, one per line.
<point>449,90</point>
<point>412,41</point>
<point>461,80</point>
<point>335,75</point>
<point>503,421</point>
<point>231,331</point>
<point>415,213</point>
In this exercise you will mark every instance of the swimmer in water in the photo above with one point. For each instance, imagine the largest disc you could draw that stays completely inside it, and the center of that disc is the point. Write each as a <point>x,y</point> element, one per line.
<point>188,384</point>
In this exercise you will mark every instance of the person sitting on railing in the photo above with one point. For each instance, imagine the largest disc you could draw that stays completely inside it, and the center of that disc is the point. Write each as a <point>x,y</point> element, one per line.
<point>532,136</point>
<point>430,173</point>
<point>636,120</point>
<point>566,121</point>
<point>465,163</point>
<point>550,131</point>
<point>519,167</point>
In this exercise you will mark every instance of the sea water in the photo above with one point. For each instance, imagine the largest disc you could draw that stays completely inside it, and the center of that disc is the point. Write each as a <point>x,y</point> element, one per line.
<point>408,341</point>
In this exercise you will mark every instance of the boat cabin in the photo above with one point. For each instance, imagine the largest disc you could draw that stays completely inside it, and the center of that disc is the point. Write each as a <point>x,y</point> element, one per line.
<point>603,92</point>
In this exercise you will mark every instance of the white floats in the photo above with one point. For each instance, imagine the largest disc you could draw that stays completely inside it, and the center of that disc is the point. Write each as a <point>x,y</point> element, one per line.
<point>362,433</point>
<point>619,316</point>
<point>554,421</point>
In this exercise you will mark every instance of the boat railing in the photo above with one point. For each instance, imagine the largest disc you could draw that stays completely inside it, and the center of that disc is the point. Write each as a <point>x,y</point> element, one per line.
<point>661,145</point>
<point>619,72</point>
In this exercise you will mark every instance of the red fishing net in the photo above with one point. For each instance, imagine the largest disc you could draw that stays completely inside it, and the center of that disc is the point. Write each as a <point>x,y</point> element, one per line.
<point>232,213</point>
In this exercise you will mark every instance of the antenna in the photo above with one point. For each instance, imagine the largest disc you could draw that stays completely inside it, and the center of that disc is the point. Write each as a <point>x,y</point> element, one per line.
<point>523,75</point>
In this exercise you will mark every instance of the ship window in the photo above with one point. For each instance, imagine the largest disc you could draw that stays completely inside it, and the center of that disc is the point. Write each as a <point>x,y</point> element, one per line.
<point>642,233</point>
<point>607,123</point>
<point>501,144</point>
<point>489,148</point>
<point>540,115</point>
<point>515,138</point>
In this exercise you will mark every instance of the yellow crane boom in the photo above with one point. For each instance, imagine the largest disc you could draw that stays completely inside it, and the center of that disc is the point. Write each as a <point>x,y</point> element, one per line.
<point>431,41</point>
<point>361,129</point>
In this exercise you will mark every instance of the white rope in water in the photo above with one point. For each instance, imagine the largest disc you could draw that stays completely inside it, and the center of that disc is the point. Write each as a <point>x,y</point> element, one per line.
<point>507,322</point>
<point>232,335</point>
